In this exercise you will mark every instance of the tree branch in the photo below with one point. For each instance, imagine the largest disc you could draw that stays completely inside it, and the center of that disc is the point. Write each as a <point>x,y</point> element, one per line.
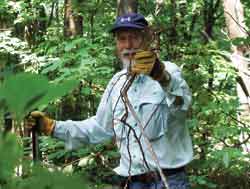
<point>240,26</point>
<point>149,145</point>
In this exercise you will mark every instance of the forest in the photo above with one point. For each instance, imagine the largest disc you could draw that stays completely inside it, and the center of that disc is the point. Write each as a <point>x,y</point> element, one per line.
<point>58,56</point>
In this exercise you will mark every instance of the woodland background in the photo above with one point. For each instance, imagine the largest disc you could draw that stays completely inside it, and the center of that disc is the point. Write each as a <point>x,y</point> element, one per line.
<point>57,56</point>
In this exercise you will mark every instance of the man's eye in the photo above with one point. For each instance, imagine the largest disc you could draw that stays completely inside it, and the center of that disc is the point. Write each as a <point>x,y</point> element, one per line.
<point>121,39</point>
<point>135,37</point>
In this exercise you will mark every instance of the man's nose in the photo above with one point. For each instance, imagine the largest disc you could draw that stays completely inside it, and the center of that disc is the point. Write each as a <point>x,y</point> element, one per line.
<point>129,43</point>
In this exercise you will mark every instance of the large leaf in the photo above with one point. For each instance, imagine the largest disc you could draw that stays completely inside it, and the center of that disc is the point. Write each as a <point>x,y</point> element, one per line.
<point>10,154</point>
<point>25,92</point>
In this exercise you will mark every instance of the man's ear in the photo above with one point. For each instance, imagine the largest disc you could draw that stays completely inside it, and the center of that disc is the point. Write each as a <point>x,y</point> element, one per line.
<point>117,63</point>
<point>116,53</point>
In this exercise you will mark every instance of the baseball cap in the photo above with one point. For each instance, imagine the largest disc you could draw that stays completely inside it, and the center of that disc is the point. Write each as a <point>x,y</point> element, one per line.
<point>130,20</point>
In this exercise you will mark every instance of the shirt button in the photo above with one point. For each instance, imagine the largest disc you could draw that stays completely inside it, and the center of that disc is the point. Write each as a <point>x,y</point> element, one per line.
<point>136,107</point>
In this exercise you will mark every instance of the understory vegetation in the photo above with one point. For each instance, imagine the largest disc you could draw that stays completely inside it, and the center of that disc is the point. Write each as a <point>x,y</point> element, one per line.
<point>43,67</point>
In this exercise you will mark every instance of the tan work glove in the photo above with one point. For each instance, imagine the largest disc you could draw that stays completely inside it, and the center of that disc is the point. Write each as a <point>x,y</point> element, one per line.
<point>45,124</point>
<point>146,63</point>
<point>143,62</point>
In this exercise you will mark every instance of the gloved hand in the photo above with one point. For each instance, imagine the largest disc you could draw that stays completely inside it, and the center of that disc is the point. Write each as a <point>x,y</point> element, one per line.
<point>146,63</point>
<point>143,62</point>
<point>45,124</point>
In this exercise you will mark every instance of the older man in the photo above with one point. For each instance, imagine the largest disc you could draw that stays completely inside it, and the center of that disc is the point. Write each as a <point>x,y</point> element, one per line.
<point>147,93</point>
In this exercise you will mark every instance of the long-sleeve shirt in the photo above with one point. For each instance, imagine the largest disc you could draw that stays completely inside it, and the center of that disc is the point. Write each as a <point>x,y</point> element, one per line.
<point>164,123</point>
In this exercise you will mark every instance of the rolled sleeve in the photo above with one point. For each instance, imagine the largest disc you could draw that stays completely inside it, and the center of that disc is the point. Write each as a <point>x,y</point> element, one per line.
<point>177,87</point>
<point>93,130</point>
<point>77,133</point>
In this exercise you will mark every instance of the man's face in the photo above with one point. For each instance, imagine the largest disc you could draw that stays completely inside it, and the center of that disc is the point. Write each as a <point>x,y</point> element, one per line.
<point>127,42</point>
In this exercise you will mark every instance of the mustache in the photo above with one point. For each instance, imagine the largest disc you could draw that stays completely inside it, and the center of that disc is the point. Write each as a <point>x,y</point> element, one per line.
<point>129,52</point>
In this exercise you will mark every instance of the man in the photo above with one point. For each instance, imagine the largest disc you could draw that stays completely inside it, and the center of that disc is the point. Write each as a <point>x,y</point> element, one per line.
<point>159,97</point>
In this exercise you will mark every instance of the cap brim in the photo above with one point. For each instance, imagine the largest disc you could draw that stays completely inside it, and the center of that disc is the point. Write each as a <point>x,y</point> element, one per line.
<point>129,26</point>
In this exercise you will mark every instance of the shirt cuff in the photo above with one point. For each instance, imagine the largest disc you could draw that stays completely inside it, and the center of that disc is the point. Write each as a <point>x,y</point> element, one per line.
<point>175,88</point>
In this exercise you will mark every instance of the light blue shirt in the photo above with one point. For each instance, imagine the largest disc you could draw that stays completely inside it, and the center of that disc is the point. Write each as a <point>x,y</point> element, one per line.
<point>154,105</point>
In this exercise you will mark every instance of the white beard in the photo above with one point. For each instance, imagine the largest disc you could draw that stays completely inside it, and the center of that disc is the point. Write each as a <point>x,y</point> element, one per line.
<point>126,61</point>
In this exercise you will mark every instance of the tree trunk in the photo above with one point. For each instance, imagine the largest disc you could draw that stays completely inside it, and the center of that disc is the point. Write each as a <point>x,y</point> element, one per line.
<point>51,13</point>
<point>234,16</point>
<point>73,27</point>
<point>126,6</point>
<point>209,14</point>
<point>159,6</point>
<point>92,16</point>
<point>73,23</point>
<point>57,12</point>
<point>35,28</point>
<point>174,22</point>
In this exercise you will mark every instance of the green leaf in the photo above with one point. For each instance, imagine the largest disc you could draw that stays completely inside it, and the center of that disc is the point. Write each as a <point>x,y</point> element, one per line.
<point>86,91</point>
<point>69,46</point>
<point>24,92</point>
<point>52,67</point>
<point>10,154</point>
<point>56,155</point>
<point>20,91</point>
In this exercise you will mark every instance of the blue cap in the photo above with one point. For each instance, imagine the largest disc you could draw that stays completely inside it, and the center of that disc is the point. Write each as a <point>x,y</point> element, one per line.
<point>130,20</point>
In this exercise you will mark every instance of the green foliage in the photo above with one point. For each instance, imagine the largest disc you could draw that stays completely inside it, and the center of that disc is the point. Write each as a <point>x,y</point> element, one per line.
<point>219,159</point>
<point>216,132</point>
<point>44,179</point>
<point>10,156</point>
<point>16,55</point>
<point>246,4</point>
<point>80,59</point>
<point>6,13</point>
<point>202,182</point>
<point>36,92</point>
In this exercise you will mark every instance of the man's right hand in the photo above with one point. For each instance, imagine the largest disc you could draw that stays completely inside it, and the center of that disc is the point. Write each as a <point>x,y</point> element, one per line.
<point>39,119</point>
